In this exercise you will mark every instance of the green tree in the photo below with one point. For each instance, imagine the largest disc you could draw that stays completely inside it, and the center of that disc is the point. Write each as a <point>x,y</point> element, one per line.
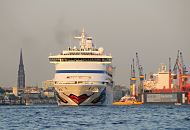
<point>2,90</point>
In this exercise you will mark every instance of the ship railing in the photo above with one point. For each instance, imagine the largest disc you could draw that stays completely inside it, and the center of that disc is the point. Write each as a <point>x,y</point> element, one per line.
<point>164,90</point>
<point>79,82</point>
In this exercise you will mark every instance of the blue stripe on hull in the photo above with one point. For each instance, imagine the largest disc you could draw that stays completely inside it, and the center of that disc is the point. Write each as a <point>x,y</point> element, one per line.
<point>84,71</point>
<point>80,71</point>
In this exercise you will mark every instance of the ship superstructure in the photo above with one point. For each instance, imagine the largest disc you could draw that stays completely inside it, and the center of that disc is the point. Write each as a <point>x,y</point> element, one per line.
<point>84,75</point>
<point>159,80</point>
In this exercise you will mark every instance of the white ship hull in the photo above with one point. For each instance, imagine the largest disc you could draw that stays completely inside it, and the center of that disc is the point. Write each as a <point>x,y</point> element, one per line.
<point>84,95</point>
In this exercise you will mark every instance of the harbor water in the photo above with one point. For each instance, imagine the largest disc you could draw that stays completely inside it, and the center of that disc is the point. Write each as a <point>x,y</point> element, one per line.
<point>140,117</point>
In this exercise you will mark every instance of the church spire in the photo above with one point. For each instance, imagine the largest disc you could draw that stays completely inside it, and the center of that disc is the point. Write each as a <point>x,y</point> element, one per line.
<point>21,73</point>
<point>21,60</point>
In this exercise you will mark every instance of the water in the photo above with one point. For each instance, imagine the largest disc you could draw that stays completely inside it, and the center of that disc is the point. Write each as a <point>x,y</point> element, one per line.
<point>141,117</point>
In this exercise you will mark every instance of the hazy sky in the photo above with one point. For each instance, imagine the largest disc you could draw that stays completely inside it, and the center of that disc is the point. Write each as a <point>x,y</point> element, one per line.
<point>156,29</point>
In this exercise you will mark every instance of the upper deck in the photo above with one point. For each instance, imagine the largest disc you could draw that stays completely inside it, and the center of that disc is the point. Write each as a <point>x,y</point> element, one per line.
<point>86,53</point>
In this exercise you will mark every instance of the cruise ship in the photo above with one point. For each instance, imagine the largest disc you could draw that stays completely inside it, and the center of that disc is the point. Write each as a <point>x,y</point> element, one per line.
<point>83,75</point>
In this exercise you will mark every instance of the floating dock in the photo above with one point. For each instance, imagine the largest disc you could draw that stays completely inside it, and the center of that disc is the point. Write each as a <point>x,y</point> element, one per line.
<point>167,98</point>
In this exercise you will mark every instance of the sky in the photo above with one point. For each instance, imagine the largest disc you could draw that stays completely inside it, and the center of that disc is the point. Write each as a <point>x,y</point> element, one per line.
<point>156,29</point>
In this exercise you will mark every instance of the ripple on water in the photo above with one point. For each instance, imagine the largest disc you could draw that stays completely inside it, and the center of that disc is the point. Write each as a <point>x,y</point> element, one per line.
<point>92,117</point>
<point>187,118</point>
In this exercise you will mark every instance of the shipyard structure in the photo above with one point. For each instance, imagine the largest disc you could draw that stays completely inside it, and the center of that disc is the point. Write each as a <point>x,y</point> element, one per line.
<point>165,87</point>
<point>168,86</point>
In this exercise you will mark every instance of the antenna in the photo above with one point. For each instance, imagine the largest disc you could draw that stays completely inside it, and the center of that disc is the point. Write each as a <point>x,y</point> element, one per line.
<point>82,39</point>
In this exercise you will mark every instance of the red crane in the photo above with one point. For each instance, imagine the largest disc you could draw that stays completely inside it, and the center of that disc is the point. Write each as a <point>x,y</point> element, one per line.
<point>182,64</point>
<point>183,76</point>
<point>177,66</point>
<point>170,77</point>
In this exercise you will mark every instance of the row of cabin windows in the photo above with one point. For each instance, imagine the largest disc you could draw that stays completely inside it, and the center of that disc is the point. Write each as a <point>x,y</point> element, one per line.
<point>81,59</point>
<point>75,53</point>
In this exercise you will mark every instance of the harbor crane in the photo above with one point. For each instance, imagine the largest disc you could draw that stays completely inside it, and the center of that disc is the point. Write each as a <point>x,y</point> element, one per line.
<point>183,76</point>
<point>170,71</point>
<point>141,75</point>
<point>133,80</point>
<point>182,64</point>
<point>177,67</point>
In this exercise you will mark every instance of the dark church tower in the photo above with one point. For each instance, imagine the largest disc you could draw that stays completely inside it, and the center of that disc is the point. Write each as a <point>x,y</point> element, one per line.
<point>21,74</point>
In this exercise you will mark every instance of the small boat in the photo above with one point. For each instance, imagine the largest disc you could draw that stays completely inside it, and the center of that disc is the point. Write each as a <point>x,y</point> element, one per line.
<point>177,104</point>
<point>127,100</point>
<point>28,103</point>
